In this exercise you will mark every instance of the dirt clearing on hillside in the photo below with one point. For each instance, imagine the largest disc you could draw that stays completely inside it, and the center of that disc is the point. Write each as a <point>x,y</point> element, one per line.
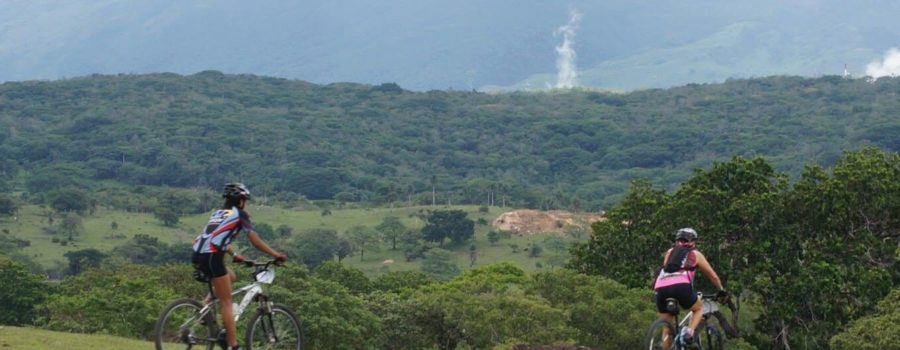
<point>529,222</point>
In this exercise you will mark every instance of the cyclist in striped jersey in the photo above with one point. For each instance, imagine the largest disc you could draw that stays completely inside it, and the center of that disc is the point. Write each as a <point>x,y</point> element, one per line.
<point>214,242</point>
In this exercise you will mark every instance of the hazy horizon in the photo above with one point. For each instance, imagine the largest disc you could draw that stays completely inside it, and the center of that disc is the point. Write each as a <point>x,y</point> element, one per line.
<point>422,45</point>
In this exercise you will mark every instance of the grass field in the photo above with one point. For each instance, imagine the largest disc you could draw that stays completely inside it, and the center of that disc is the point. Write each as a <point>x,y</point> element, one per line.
<point>98,233</point>
<point>37,339</point>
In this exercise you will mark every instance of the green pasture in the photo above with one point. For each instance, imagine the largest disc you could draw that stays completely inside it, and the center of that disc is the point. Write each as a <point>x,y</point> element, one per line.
<point>38,339</point>
<point>98,232</point>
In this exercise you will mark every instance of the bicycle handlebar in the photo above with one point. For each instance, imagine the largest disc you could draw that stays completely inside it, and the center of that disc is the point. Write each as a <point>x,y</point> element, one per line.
<point>721,300</point>
<point>265,264</point>
<point>732,328</point>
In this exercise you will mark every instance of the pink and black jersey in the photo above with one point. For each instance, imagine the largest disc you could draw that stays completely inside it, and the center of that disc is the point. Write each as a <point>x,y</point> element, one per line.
<point>223,226</point>
<point>684,275</point>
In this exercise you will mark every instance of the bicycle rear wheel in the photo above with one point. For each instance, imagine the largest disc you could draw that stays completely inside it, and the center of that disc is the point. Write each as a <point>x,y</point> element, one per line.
<point>180,326</point>
<point>278,329</point>
<point>660,336</point>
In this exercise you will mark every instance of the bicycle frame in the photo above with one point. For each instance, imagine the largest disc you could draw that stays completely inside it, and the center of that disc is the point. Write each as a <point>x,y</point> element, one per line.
<point>263,275</point>
<point>710,307</point>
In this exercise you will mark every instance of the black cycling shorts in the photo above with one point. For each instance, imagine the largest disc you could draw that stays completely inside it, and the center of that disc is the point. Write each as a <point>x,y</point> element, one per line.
<point>211,264</point>
<point>683,292</point>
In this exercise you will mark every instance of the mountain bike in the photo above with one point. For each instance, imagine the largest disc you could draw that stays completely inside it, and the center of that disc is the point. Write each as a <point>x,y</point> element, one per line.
<point>663,335</point>
<point>186,323</point>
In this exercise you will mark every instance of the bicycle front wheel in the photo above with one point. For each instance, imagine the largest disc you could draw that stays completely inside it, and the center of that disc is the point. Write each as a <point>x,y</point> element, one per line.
<point>660,336</point>
<point>278,329</point>
<point>714,339</point>
<point>181,326</point>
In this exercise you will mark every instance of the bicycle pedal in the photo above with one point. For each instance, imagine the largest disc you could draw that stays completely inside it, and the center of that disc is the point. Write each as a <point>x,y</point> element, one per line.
<point>222,339</point>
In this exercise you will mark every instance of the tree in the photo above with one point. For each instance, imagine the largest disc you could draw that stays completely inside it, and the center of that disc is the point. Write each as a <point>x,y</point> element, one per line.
<point>265,231</point>
<point>391,228</point>
<point>433,191</point>
<point>8,205</point>
<point>351,278</point>
<point>440,264</point>
<point>590,300</point>
<point>141,249</point>
<point>792,246</point>
<point>493,237</point>
<point>24,293</point>
<point>633,221</point>
<point>413,245</point>
<point>284,231</point>
<point>875,331</point>
<point>401,317</point>
<point>57,175</point>
<point>535,250</point>
<point>184,201</point>
<point>398,281</point>
<point>119,301</point>
<point>363,238</point>
<point>486,308</point>
<point>314,246</point>
<point>328,311</point>
<point>70,199</point>
<point>71,225</point>
<point>167,215</point>
<point>344,249</point>
<point>452,224</point>
<point>81,260</point>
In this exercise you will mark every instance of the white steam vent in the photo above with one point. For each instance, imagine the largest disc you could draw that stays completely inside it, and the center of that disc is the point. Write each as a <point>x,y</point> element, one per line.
<point>890,67</point>
<point>567,73</point>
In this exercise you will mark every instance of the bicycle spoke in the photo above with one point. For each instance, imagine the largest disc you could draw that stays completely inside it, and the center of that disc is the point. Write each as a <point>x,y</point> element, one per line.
<point>276,330</point>
<point>182,327</point>
<point>660,336</point>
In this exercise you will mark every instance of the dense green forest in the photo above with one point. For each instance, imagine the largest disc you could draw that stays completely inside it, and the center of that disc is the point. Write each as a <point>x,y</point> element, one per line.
<point>814,263</point>
<point>806,235</point>
<point>381,144</point>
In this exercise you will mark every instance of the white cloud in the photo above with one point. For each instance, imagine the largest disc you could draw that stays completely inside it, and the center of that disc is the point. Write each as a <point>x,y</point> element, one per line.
<point>889,67</point>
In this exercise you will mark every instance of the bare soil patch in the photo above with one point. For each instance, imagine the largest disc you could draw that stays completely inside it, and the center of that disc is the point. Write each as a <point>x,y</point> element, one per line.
<point>530,222</point>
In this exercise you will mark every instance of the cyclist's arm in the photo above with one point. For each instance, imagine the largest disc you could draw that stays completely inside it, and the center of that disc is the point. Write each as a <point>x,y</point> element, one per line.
<point>666,258</point>
<point>707,270</point>
<point>261,245</point>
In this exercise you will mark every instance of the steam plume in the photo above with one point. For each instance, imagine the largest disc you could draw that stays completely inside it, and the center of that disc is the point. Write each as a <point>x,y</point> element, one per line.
<point>889,67</point>
<point>567,74</point>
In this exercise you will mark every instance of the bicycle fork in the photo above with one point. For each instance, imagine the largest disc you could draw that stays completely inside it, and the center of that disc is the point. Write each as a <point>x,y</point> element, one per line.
<point>268,324</point>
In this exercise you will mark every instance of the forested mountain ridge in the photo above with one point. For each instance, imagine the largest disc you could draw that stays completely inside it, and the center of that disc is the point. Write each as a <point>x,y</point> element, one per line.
<point>352,142</point>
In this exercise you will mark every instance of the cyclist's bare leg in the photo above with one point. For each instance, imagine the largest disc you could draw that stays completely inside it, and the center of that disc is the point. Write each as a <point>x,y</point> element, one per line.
<point>696,314</point>
<point>222,288</point>
<point>668,317</point>
<point>233,279</point>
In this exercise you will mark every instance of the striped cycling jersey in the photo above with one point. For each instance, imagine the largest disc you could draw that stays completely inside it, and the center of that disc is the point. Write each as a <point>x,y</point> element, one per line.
<point>223,226</point>
<point>685,275</point>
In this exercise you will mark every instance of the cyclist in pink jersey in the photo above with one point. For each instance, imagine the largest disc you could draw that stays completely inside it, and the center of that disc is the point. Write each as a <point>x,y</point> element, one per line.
<point>676,279</point>
<point>214,242</point>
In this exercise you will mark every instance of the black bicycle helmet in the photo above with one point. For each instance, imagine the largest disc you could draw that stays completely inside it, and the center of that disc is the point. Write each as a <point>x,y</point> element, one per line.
<point>236,190</point>
<point>686,234</point>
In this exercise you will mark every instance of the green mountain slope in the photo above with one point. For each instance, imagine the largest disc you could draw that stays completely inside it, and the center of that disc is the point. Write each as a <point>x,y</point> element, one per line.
<point>381,144</point>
